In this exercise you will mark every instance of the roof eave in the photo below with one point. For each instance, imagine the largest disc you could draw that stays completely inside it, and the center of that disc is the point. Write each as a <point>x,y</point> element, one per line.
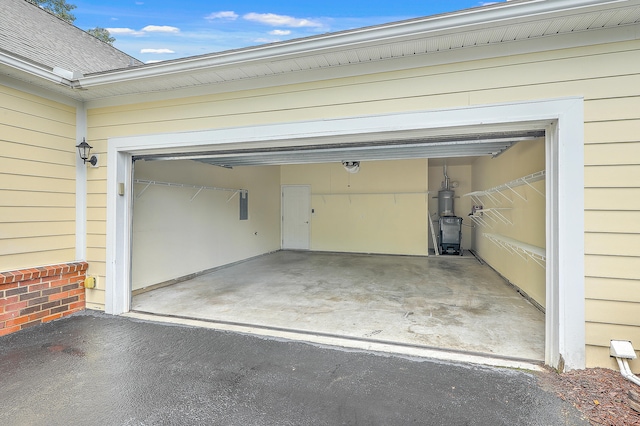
<point>434,25</point>
<point>35,70</point>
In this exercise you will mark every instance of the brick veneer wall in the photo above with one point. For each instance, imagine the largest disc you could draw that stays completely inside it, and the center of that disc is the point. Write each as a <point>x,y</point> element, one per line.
<point>30,297</point>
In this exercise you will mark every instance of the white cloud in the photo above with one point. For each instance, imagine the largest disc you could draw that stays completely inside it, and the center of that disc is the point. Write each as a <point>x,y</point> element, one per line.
<point>160,29</point>
<point>123,31</point>
<point>146,30</point>
<point>156,51</point>
<point>153,61</point>
<point>265,40</point>
<point>280,20</point>
<point>226,15</point>
<point>280,32</point>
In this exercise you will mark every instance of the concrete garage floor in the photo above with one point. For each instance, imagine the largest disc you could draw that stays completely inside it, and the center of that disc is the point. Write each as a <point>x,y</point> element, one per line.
<point>446,302</point>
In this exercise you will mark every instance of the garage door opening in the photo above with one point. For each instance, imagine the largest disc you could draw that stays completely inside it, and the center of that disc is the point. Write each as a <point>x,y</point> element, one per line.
<point>368,231</point>
<point>330,216</point>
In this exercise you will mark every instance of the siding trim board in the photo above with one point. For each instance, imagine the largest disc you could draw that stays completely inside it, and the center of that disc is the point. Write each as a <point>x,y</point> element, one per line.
<point>562,120</point>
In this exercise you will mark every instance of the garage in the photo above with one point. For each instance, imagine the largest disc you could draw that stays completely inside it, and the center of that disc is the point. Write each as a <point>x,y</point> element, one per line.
<point>201,216</point>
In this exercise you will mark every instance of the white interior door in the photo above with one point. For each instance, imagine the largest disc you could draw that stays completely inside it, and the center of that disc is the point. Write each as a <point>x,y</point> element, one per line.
<point>296,215</point>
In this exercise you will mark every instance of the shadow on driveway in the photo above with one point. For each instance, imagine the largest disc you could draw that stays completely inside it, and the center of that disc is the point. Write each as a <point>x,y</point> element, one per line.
<point>96,369</point>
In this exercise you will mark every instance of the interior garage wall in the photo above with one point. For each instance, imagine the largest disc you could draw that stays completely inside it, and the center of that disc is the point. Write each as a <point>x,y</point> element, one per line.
<point>174,237</point>
<point>380,209</point>
<point>37,181</point>
<point>604,75</point>
<point>527,217</point>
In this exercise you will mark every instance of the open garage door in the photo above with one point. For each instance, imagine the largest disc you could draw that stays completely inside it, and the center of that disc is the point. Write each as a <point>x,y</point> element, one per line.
<point>258,154</point>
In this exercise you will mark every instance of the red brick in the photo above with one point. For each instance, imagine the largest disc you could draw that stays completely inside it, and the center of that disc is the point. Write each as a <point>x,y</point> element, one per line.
<point>17,290</point>
<point>58,296</point>
<point>39,286</point>
<point>38,301</point>
<point>50,291</point>
<point>62,308</point>
<point>69,300</point>
<point>7,277</point>
<point>8,286</point>
<point>77,306</point>
<point>9,330</point>
<point>38,315</point>
<point>51,304</point>
<point>30,324</point>
<point>30,310</point>
<point>25,275</point>
<point>29,296</point>
<point>35,273</point>
<point>76,291</point>
<point>9,300</point>
<point>70,276</point>
<point>51,317</point>
<point>58,282</point>
<point>27,283</point>
<point>9,315</point>
<point>15,306</point>
<point>70,287</point>
<point>17,321</point>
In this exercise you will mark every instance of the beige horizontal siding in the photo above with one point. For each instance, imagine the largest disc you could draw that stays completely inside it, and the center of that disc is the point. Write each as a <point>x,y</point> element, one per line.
<point>613,221</point>
<point>609,244</point>
<point>37,181</point>
<point>606,76</point>
<point>39,258</point>
<point>598,356</point>
<point>612,289</point>
<point>599,334</point>
<point>17,214</point>
<point>40,243</point>
<point>37,184</point>
<point>36,229</point>
<point>36,199</point>
<point>622,176</point>
<point>611,131</point>
<point>613,312</point>
<point>612,266</point>
<point>613,199</point>
<point>613,154</point>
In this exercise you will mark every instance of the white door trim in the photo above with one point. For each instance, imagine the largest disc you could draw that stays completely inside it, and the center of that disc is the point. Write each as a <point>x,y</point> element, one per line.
<point>562,118</point>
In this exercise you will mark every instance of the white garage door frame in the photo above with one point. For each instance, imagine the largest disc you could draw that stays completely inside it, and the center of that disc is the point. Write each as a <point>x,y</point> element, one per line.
<point>562,119</point>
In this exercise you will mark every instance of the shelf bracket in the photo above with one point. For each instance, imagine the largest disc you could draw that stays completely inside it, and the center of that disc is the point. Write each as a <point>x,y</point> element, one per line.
<point>196,194</point>
<point>143,189</point>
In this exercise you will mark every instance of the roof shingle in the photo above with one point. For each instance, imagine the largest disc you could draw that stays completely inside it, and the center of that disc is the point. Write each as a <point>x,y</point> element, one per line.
<point>32,33</point>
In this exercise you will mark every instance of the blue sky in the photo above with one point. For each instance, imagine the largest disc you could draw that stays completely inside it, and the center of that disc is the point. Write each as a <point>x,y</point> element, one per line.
<point>155,30</point>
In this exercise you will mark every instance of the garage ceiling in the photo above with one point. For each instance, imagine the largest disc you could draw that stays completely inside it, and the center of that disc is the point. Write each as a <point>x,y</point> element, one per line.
<point>492,144</point>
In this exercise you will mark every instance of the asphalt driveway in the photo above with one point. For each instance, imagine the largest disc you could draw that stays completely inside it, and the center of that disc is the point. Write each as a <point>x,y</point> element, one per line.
<point>96,369</point>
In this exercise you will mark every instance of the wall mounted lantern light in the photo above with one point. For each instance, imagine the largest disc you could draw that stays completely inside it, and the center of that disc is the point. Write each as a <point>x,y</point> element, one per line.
<point>84,149</point>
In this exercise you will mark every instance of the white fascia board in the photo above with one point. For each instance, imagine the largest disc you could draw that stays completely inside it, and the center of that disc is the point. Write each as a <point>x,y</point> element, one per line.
<point>32,69</point>
<point>432,26</point>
